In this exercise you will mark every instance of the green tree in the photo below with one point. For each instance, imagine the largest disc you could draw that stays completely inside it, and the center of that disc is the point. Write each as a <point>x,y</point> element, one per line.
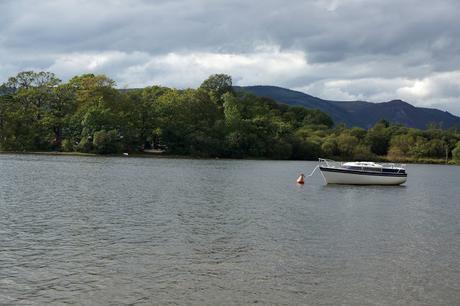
<point>358,132</point>
<point>99,107</point>
<point>456,153</point>
<point>420,148</point>
<point>58,112</point>
<point>400,145</point>
<point>190,122</point>
<point>217,85</point>
<point>143,114</point>
<point>330,147</point>
<point>31,97</point>
<point>106,142</point>
<point>346,144</point>
<point>89,114</point>
<point>378,138</point>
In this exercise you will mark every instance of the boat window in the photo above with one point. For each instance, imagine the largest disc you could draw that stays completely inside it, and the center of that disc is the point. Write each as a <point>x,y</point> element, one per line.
<point>353,167</point>
<point>372,169</point>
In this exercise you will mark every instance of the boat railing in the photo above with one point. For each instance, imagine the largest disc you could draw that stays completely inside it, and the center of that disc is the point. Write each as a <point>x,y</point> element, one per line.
<point>395,166</point>
<point>330,163</point>
<point>336,164</point>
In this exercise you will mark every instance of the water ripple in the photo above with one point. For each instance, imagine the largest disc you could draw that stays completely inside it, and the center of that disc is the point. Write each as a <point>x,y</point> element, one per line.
<point>163,231</point>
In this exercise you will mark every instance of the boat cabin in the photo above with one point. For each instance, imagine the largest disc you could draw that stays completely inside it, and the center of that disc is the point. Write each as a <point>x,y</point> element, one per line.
<point>372,167</point>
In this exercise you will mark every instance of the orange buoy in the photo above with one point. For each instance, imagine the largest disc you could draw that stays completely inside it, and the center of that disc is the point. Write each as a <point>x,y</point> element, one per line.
<point>300,180</point>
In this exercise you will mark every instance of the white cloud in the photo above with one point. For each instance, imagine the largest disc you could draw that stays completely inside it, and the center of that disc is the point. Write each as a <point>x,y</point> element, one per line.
<point>438,90</point>
<point>417,89</point>
<point>111,63</point>
<point>76,63</point>
<point>342,49</point>
<point>265,65</point>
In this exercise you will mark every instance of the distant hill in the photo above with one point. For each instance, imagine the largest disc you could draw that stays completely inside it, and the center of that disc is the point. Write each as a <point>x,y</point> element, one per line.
<point>359,113</point>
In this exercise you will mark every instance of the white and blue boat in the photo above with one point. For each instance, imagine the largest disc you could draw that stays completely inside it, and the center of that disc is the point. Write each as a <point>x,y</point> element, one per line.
<point>362,173</point>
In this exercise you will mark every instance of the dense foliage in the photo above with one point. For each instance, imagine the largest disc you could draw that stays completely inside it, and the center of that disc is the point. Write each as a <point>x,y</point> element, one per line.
<point>88,114</point>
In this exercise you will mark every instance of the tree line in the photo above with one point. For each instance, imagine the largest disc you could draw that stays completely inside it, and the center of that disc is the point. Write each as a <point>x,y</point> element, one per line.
<point>38,112</point>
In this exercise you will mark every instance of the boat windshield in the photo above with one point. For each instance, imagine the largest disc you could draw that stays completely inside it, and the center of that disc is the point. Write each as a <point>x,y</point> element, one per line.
<point>363,168</point>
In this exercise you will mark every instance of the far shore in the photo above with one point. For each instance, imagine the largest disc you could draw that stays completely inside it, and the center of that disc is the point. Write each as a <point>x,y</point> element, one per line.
<point>384,159</point>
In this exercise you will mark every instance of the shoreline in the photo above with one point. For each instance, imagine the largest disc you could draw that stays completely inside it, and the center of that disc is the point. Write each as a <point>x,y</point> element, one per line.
<point>408,160</point>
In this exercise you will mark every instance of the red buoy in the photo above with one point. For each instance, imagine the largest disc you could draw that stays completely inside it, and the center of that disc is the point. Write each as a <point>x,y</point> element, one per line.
<point>300,180</point>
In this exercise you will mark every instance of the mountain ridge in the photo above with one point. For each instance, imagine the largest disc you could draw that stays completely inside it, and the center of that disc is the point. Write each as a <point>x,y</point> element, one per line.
<point>359,113</point>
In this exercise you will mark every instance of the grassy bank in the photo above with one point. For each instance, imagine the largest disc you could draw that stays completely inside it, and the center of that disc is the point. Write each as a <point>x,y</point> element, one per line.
<point>419,160</point>
<point>404,160</point>
<point>48,153</point>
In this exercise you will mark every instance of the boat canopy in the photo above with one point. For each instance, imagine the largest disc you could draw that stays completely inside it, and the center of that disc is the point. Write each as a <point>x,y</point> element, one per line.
<point>362,164</point>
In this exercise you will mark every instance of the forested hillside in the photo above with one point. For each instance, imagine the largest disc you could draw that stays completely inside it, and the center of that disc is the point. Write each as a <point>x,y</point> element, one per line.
<point>360,113</point>
<point>88,113</point>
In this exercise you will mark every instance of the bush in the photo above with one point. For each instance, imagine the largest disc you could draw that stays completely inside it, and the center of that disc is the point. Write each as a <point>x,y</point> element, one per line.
<point>280,149</point>
<point>347,144</point>
<point>106,142</point>
<point>67,145</point>
<point>363,152</point>
<point>85,145</point>
<point>303,149</point>
<point>329,147</point>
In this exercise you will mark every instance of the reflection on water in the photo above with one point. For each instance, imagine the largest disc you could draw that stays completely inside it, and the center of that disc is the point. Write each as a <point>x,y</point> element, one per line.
<point>156,231</point>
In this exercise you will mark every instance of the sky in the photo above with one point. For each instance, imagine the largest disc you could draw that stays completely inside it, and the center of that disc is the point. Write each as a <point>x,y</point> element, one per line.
<point>372,50</point>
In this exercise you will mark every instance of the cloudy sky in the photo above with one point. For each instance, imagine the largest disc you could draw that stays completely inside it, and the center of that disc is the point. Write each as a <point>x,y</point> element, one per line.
<point>374,50</point>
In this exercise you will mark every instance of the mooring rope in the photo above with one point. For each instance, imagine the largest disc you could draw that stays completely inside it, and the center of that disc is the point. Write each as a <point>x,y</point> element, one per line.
<point>313,171</point>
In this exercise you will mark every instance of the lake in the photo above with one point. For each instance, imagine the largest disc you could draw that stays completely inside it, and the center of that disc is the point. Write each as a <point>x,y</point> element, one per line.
<point>109,230</point>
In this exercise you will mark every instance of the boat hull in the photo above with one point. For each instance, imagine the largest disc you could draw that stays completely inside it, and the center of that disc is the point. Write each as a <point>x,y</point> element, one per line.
<point>340,176</point>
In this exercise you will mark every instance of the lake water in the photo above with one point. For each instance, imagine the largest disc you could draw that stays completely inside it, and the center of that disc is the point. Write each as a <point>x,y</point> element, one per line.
<point>95,230</point>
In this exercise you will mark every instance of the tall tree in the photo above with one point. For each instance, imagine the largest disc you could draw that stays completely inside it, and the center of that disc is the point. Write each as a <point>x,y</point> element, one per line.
<point>217,85</point>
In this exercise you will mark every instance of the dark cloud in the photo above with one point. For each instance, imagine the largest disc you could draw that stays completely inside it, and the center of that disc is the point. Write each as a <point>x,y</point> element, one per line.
<point>337,49</point>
